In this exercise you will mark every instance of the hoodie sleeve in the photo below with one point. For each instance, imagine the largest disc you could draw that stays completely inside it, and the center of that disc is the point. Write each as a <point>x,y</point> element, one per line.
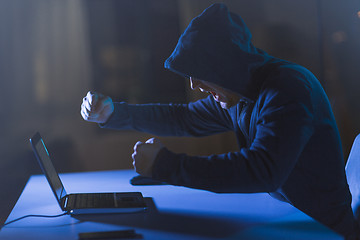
<point>283,128</point>
<point>201,118</point>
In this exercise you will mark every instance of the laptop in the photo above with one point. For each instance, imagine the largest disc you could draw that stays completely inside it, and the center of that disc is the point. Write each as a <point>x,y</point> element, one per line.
<point>84,203</point>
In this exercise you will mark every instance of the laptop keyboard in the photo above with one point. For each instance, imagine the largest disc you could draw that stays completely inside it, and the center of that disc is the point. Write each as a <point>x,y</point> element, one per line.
<point>105,200</point>
<point>95,200</point>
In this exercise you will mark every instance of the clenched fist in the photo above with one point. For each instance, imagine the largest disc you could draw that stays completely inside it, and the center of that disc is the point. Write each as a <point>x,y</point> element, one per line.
<point>144,156</point>
<point>96,107</point>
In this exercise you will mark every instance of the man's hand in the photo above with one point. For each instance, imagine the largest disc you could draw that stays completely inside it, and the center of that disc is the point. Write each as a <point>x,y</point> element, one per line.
<point>144,156</point>
<point>96,107</point>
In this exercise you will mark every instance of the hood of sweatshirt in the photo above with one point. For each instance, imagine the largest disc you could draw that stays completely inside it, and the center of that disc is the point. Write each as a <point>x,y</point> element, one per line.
<point>216,47</point>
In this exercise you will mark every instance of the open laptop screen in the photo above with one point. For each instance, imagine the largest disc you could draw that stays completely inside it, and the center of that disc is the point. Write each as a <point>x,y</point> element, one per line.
<point>48,168</point>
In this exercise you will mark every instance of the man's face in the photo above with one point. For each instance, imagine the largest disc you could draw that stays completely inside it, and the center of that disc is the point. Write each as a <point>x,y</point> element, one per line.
<point>225,97</point>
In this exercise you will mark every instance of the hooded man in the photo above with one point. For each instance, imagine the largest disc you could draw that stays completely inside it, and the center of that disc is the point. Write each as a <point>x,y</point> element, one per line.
<point>289,144</point>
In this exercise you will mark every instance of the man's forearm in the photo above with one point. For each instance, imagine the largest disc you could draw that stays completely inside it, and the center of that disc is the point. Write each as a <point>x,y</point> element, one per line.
<point>170,119</point>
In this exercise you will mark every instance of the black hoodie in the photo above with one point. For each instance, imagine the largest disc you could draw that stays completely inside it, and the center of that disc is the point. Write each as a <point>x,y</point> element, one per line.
<point>289,144</point>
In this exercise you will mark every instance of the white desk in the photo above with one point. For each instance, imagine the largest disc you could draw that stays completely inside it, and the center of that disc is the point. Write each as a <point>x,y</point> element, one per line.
<point>175,213</point>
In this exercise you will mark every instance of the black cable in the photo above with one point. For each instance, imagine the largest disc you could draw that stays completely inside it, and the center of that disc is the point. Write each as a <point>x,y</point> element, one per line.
<point>31,215</point>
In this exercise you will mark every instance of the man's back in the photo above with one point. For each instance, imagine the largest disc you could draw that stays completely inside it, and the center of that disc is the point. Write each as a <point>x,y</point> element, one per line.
<point>317,184</point>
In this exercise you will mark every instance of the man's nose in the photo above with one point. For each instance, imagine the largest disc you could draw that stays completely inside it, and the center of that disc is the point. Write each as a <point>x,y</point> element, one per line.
<point>194,84</point>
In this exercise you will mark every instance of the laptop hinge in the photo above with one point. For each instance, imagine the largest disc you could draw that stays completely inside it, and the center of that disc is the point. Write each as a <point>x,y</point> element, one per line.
<point>64,202</point>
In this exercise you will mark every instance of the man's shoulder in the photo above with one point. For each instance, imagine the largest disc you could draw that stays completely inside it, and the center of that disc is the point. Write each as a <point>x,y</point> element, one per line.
<point>284,74</point>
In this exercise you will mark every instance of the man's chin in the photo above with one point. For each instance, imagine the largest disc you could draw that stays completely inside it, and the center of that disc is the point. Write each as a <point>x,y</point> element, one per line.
<point>225,105</point>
